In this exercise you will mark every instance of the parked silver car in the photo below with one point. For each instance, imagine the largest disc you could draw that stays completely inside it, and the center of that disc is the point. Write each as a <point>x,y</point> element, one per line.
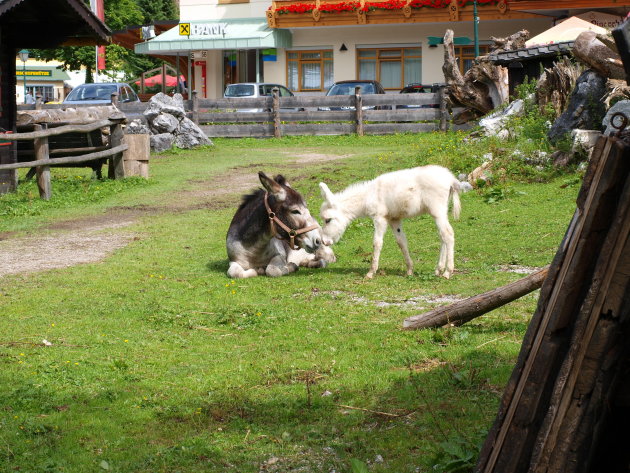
<point>98,93</point>
<point>255,90</point>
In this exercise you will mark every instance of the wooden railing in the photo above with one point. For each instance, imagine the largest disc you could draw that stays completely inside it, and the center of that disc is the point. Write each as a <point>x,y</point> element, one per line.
<point>309,115</point>
<point>43,161</point>
<point>321,115</point>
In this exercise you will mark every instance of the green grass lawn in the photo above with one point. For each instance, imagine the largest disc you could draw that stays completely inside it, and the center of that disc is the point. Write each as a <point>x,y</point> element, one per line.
<point>160,363</point>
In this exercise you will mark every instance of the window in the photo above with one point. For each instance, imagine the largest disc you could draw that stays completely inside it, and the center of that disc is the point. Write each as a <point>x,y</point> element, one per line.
<point>392,67</point>
<point>309,70</point>
<point>466,55</point>
<point>47,92</point>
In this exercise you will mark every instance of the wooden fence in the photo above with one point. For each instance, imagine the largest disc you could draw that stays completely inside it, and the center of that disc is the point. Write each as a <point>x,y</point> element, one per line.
<point>43,161</point>
<point>276,116</point>
<point>321,115</point>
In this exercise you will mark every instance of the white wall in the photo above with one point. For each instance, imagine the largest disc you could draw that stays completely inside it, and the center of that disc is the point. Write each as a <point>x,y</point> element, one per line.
<point>411,34</point>
<point>196,10</point>
<point>414,34</point>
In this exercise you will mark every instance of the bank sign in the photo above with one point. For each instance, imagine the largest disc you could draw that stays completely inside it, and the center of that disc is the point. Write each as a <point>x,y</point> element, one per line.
<point>203,29</point>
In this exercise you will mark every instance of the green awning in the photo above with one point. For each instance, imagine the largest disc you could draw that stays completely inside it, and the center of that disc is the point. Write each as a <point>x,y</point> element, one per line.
<point>457,40</point>
<point>40,73</point>
<point>252,33</point>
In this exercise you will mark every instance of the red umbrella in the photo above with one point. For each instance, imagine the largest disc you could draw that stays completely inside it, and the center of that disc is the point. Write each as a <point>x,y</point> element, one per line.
<point>171,81</point>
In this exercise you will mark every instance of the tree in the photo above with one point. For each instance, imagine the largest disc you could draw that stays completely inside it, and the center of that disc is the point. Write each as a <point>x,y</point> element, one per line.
<point>118,15</point>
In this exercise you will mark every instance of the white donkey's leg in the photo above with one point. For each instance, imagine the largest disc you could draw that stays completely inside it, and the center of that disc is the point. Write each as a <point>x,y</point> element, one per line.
<point>380,226</point>
<point>446,263</point>
<point>236,271</point>
<point>278,266</point>
<point>401,239</point>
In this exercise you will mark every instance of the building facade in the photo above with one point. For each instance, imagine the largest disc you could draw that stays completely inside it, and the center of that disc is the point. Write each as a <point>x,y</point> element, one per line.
<point>40,79</point>
<point>308,44</point>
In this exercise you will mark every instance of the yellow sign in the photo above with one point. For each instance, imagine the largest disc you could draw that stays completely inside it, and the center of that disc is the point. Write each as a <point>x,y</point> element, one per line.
<point>184,29</point>
<point>33,73</point>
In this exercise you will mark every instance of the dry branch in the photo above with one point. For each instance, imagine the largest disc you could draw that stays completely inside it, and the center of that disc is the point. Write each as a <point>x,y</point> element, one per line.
<point>556,84</point>
<point>461,312</point>
<point>484,86</point>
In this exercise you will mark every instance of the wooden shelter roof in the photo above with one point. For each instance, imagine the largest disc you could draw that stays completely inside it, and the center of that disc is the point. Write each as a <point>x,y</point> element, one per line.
<point>50,23</point>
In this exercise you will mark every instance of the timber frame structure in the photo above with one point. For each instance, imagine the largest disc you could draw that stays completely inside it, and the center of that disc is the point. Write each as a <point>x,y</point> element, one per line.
<point>37,24</point>
<point>309,13</point>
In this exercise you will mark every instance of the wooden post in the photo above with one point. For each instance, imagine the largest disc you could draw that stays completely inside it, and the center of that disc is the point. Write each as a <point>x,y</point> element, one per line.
<point>443,111</point>
<point>163,78</point>
<point>116,166</point>
<point>358,107</point>
<point>43,172</point>
<point>276,113</point>
<point>136,157</point>
<point>195,107</point>
<point>461,312</point>
<point>39,103</point>
<point>115,99</point>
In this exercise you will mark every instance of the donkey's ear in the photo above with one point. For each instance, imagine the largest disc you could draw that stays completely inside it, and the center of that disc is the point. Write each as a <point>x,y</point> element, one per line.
<point>281,180</point>
<point>326,194</point>
<point>273,187</point>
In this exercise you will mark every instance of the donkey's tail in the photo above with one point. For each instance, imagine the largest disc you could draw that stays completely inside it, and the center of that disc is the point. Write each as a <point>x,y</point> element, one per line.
<point>454,196</point>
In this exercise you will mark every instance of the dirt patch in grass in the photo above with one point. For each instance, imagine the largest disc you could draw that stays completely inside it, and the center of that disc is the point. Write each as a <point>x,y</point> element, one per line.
<point>89,239</point>
<point>60,249</point>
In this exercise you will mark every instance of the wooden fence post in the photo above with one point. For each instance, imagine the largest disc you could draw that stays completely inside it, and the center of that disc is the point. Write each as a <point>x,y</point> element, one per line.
<point>43,172</point>
<point>275,93</point>
<point>195,107</point>
<point>443,111</point>
<point>358,107</point>
<point>116,165</point>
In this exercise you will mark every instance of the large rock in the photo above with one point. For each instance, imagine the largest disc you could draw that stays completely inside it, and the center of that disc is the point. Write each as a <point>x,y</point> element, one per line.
<point>189,135</point>
<point>162,142</point>
<point>164,123</point>
<point>167,120</point>
<point>495,124</point>
<point>623,106</point>
<point>167,104</point>
<point>585,109</point>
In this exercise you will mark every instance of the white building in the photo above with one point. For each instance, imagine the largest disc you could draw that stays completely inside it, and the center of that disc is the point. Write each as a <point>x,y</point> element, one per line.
<point>306,45</point>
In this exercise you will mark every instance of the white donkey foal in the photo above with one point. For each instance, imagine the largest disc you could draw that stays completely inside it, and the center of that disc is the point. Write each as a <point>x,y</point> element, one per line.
<point>390,198</point>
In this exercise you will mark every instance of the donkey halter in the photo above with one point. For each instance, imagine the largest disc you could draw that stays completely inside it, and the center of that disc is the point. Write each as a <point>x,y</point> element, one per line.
<point>273,219</point>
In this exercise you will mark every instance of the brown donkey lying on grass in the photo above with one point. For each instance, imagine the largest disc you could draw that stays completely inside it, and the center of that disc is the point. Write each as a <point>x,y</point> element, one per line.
<point>273,233</point>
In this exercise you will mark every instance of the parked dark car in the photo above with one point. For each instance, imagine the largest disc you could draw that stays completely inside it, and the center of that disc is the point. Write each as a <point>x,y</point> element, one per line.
<point>347,87</point>
<point>97,93</point>
<point>421,89</point>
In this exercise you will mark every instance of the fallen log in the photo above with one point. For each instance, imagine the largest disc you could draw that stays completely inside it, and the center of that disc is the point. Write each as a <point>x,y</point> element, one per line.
<point>591,51</point>
<point>461,312</point>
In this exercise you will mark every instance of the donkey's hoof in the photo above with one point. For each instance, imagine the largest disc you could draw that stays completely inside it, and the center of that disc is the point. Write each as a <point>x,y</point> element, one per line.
<point>369,275</point>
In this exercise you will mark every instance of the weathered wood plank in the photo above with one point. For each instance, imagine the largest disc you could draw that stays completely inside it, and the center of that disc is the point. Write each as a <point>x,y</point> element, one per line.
<point>67,160</point>
<point>461,312</point>
<point>243,131</point>
<point>526,401</point>
<point>43,171</point>
<point>116,168</point>
<point>58,131</point>
<point>391,128</point>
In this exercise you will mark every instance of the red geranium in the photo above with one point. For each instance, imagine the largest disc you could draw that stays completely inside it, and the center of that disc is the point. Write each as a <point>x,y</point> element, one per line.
<point>371,6</point>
